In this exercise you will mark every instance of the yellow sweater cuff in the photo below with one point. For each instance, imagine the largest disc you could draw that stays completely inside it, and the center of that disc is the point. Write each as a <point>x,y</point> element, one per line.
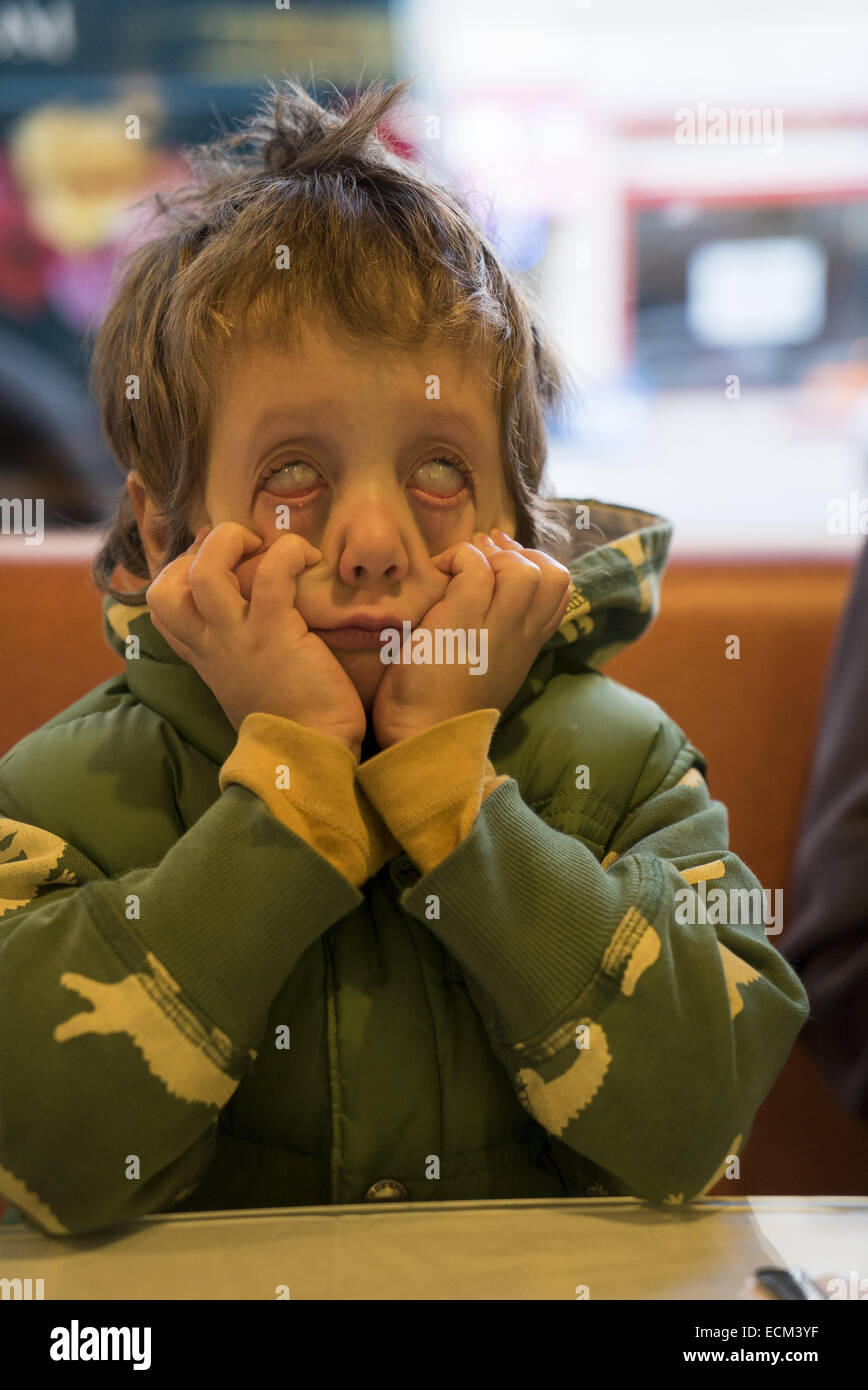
<point>429,788</point>
<point>307,781</point>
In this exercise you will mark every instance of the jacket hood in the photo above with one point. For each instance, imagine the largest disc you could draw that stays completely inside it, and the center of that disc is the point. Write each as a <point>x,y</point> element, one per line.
<point>616,556</point>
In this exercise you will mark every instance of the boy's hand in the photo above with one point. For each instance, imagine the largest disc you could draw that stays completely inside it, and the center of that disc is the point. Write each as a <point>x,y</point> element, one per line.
<point>519,596</point>
<point>257,656</point>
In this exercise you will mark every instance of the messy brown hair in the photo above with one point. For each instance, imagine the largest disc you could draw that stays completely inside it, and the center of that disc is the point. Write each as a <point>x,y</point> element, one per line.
<point>378,250</point>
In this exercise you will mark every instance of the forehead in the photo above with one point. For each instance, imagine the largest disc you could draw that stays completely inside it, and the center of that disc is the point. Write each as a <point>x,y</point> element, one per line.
<point>320,369</point>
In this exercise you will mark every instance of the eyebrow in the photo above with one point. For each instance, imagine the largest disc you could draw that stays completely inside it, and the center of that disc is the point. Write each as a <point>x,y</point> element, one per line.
<point>284,415</point>
<point>275,414</point>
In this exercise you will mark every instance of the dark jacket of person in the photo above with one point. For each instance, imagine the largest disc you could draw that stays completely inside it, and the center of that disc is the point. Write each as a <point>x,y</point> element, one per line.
<point>827,942</point>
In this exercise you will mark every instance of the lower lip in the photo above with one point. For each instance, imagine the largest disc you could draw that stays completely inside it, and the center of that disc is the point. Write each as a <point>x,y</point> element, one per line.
<point>350,638</point>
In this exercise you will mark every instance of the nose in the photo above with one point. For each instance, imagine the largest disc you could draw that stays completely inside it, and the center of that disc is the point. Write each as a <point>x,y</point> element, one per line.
<point>371,542</point>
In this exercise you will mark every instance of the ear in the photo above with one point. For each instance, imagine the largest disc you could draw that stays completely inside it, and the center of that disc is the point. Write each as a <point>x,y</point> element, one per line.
<point>151,525</point>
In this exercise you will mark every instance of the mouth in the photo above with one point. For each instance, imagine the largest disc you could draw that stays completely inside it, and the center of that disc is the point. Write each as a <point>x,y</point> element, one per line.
<point>349,638</point>
<point>365,634</point>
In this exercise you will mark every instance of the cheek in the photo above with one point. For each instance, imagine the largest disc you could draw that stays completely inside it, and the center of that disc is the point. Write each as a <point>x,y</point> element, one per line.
<point>442,527</point>
<point>438,527</point>
<point>275,516</point>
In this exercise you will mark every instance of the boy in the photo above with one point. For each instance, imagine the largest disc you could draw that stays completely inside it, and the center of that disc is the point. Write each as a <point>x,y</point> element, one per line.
<point>361,882</point>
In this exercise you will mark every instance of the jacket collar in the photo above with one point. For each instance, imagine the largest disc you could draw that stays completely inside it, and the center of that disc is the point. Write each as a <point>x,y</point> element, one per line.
<point>616,557</point>
<point>161,679</point>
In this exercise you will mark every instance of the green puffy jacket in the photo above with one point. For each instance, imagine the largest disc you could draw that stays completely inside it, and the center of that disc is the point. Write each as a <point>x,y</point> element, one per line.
<point>263,1033</point>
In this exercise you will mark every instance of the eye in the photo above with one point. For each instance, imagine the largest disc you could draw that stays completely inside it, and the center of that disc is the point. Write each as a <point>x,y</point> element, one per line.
<point>445,478</point>
<point>297,475</point>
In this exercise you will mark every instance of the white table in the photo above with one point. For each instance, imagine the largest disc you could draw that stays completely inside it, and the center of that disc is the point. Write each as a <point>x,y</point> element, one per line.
<point>619,1248</point>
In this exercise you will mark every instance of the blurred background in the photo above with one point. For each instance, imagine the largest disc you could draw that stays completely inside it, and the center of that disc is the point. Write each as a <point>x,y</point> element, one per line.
<point>686,188</point>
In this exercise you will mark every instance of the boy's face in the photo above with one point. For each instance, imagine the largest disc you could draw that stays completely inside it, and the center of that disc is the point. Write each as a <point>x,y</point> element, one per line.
<point>363,447</point>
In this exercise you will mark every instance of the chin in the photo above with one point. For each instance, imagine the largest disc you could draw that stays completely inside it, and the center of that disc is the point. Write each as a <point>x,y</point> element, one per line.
<point>365,670</point>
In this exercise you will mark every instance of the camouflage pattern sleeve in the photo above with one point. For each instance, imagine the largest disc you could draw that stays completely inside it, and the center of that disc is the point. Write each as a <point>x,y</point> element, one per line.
<point>637,1003</point>
<point>132,1006</point>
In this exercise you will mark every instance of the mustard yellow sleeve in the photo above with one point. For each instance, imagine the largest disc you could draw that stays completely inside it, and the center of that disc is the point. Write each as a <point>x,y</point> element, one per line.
<point>307,781</point>
<point>429,788</point>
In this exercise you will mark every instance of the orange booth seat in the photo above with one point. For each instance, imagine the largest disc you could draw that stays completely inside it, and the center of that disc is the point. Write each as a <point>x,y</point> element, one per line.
<point>755,718</point>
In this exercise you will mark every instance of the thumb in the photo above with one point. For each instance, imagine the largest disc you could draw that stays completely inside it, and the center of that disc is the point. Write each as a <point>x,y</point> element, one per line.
<point>443,560</point>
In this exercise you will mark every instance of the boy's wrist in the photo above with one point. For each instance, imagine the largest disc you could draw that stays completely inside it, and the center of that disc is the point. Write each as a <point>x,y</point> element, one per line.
<point>301,774</point>
<point>354,748</point>
<point>428,788</point>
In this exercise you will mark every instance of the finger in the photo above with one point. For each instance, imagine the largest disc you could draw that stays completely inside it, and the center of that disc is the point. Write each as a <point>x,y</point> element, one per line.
<point>192,549</point>
<point>275,581</point>
<point>502,539</point>
<point>172,638</point>
<point>552,626</point>
<point>517,581</point>
<point>553,594</point>
<point>468,597</point>
<point>199,537</point>
<point>539,557</point>
<point>213,584</point>
<point>522,604</point>
<point>443,560</point>
<point>179,567</point>
<point>550,603</point>
<point>171,605</point>
<point>554,590</point>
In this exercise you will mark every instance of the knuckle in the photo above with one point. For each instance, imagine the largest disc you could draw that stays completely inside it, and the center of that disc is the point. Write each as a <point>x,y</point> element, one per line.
<point>170,574</point>
<point>199,573</point>
<point>549,562</point>
<point>155,594</point>
<point>526,570</point>
<point>518,559</point>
